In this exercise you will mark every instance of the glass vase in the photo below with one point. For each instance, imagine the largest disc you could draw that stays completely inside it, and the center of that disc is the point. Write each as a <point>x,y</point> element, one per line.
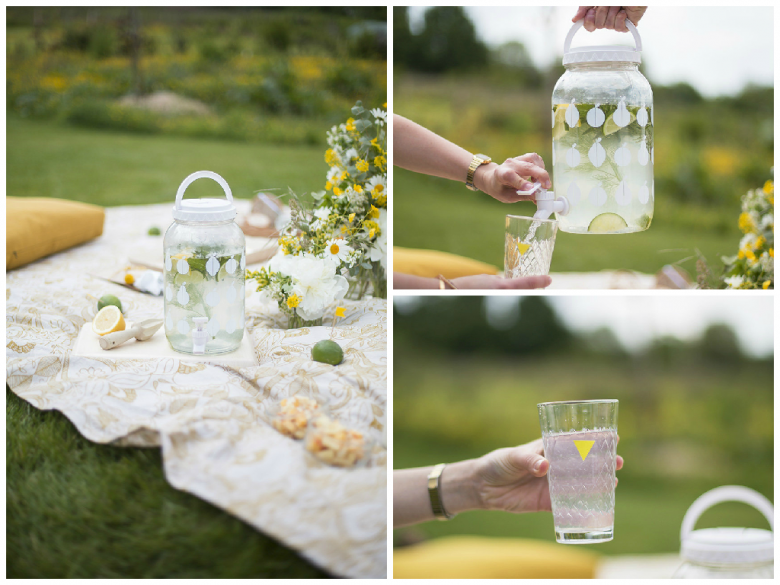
<point>367,281</point>
<point>295,321</point>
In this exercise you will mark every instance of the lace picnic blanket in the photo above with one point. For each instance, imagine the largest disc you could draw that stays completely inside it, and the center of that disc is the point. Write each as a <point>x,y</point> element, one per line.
<point>206,417</point>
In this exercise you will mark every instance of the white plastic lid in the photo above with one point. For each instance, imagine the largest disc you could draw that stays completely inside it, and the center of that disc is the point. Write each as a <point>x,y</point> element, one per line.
<point>602,53</point>
<point>727,546</point>
<point>204,209</point>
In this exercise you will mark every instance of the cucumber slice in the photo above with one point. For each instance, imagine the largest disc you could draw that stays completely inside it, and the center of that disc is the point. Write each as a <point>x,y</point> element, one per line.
<point>607,223</point>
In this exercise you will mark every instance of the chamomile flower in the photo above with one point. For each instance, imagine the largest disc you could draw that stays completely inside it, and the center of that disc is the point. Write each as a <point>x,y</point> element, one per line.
<point>373,182</point>
<point>380,115</point>
<point>337,249</point>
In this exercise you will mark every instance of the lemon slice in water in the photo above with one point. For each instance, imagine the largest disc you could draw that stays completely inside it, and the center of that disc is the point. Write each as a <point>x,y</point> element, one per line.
<point>607,223</point>
<point>610,127</point>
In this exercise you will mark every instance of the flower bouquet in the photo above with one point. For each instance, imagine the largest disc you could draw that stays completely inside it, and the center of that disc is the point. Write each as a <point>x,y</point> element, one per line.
<point>337,248</point>
<point>753,266</point>
<point>353,206</point>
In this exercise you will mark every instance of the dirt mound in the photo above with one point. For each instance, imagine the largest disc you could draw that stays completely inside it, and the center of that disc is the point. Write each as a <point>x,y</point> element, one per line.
<point>166,102</point>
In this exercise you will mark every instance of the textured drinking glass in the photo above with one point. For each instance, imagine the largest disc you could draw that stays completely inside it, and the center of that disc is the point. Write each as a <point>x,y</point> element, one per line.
<point>580,442</point>
<point>528,246</point>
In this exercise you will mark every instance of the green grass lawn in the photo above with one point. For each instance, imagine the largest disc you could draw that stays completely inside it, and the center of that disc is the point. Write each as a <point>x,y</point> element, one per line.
<point>79,509</point>
<point>436,214</point>
<point>76,509</point>
<point>46,159</point>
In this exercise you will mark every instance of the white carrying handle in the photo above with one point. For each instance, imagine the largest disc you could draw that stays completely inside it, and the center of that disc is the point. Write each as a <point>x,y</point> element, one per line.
<point>726,493</point>
<point>578,25</point>
<point>202,175</point>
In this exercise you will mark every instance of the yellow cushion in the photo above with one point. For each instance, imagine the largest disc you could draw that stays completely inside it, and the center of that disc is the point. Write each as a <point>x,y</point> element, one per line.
<point>431,263</point>
<point>38,226</point>
<point>478,557</point>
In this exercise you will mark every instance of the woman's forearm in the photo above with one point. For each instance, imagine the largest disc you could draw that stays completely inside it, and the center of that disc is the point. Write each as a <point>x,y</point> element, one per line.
<point>401,281</point>
<point>411,503</point>
<point>418,149</point>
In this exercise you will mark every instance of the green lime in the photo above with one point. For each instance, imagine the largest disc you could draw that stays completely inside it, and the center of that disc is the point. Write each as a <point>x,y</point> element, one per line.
<point>106,300</point>
<point>154,231</point>
<point>327,352</point>
<point>607,223</point>
<point>644,221</point>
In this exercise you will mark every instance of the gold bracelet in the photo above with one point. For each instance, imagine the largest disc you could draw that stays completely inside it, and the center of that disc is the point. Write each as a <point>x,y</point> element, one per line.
<point>434,492</point>
<point>444,283</point>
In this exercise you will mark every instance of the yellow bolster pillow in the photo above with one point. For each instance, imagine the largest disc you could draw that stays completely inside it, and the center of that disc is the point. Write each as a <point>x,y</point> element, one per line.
<point>39,226</point>
<point>477,557</point>
<point>431,263</point>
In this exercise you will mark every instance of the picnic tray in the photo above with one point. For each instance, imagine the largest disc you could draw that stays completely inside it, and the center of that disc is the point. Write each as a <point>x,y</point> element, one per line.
<point>207,417</point>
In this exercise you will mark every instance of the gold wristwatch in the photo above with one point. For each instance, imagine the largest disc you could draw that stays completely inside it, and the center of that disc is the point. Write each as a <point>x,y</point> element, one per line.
<point>434,493</point>
<point>476,161</point>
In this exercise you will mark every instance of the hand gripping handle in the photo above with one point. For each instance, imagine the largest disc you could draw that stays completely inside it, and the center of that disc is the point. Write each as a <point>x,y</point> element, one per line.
<point>202,175</point>
<point>726,493</point>
<point>578,25</point>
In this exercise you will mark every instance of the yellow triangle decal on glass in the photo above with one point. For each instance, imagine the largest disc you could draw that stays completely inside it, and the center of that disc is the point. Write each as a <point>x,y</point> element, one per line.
<point>584,447</point>
<point>522,248</point>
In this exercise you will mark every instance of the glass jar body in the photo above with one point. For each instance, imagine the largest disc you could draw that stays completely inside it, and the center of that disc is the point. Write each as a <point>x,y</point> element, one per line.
<point>603,148</point>
<point>691,570</point>
<point>204,266</point>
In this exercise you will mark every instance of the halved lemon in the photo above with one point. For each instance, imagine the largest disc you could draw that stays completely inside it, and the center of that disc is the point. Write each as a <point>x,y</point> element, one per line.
<point>108,320</point>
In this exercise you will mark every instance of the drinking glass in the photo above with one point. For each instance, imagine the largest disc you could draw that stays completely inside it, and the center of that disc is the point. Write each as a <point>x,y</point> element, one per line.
<point>580,442</point>
<point>528,246</point>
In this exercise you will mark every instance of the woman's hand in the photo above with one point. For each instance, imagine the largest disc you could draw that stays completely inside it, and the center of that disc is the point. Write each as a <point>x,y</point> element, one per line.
<point>503,181</point>
<point>513,479</point>
<point>492,281</point>
<point>610,17</point>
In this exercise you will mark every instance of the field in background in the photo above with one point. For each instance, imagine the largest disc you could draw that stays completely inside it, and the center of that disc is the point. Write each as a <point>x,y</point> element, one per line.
<point>707,154</point>
<point>258,75</point>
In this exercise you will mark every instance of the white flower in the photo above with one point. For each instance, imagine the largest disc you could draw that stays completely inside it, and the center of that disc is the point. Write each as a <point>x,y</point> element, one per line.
<point>748,240</point>
<point>379,249</point>
<point>767,221</point>
<point>380,115</point>
<point>356,200</point>
<point>314,280</point>
<point>350,154</point>
<point>734,281</point>
<point>337,249</point>
<point>333,173</point>
<point>322,214</point>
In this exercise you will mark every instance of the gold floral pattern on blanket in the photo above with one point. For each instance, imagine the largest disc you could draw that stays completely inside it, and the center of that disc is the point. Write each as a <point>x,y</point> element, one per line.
<point>209,418</point>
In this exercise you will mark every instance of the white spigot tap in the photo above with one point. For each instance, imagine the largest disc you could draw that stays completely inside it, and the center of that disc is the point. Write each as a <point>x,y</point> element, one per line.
<point>546,202</point>
<point>199,336</point>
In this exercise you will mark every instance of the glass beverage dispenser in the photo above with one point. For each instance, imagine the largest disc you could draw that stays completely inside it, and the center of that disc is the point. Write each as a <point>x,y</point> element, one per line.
<point>602,148</point>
